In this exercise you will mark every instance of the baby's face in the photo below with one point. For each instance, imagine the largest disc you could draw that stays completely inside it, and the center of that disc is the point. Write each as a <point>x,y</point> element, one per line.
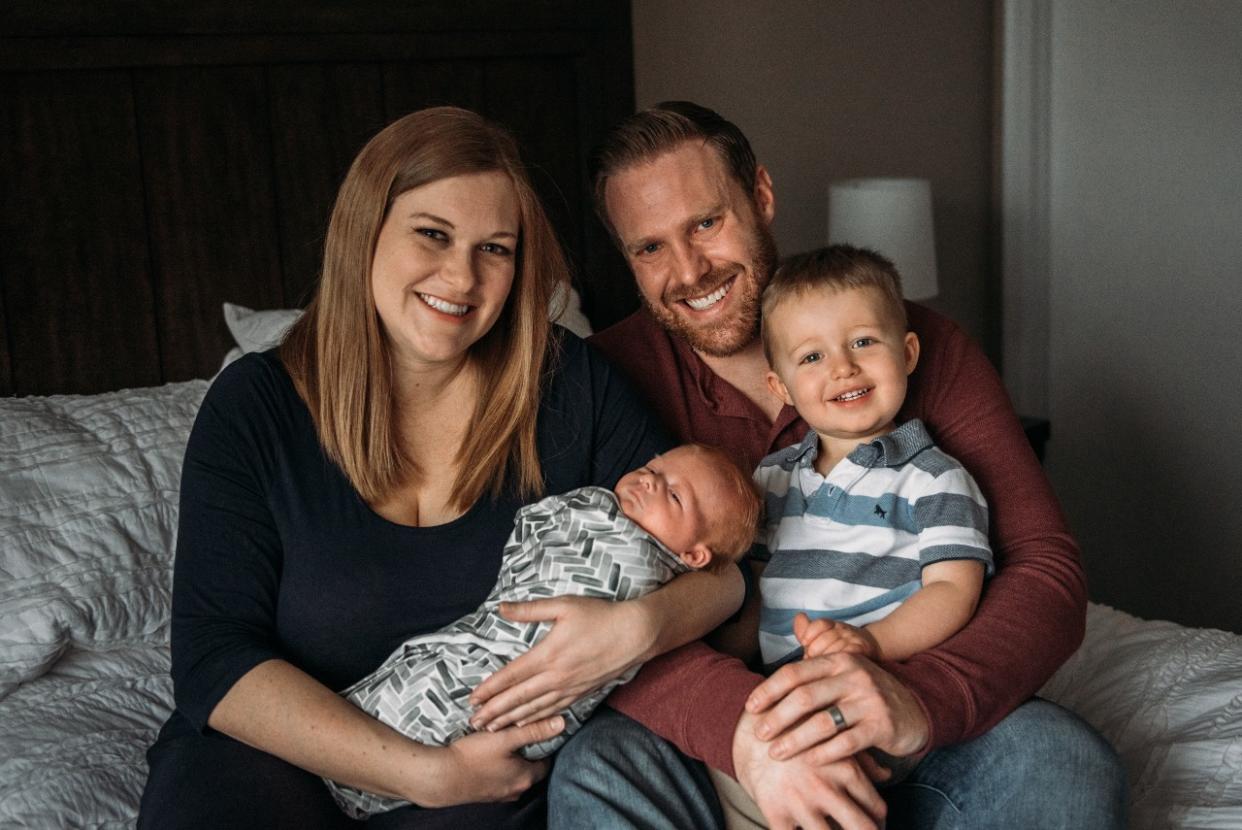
<point>674,497</point>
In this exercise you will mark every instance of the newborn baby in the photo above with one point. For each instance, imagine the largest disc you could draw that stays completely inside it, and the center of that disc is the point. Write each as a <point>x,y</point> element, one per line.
<point>689,508</point>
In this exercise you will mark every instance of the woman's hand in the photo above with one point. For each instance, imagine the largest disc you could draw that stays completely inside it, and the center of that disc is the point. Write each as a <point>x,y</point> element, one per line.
<point>793,709</point>
<point>485,766</point>
<point>592,641</point>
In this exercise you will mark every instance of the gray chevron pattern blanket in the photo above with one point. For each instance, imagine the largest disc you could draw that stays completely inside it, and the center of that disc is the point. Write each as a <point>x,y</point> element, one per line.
<point>579,544</point>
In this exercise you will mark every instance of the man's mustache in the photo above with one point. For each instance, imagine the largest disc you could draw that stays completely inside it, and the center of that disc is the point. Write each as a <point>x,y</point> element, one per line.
<point>712,280</point>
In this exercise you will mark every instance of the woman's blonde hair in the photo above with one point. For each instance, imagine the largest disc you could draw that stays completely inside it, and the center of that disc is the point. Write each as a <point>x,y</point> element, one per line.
<point>338,355</point>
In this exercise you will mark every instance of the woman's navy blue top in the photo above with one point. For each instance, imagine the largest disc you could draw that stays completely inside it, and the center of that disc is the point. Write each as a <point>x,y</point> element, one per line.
<point>279,557</point>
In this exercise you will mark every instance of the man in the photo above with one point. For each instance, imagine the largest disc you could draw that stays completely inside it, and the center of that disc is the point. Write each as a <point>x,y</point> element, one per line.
<point>679,189</point>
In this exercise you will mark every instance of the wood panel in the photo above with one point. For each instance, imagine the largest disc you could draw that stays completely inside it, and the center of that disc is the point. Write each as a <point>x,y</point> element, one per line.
<point>58,18</point>
<point>207,163</point>
<point>161,158</point>
<point>413,85</point>
<point>605,95</point>
<point>6,365</point>
<point>547,131</point>
<point>321,115</point>
<point>74,268</point>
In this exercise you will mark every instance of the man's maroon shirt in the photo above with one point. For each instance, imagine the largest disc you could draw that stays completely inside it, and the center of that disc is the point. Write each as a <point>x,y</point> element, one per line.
<point>1031,615</point>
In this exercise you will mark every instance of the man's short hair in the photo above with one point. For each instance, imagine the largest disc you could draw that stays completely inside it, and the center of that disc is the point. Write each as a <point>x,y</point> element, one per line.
<point>835,268</point>
<point>652,132</point>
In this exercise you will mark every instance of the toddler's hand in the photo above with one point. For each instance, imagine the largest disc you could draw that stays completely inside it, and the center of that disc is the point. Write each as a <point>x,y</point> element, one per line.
<point>823,636</point>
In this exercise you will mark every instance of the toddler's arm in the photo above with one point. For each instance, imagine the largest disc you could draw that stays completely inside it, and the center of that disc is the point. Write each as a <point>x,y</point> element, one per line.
<point>930,616</point>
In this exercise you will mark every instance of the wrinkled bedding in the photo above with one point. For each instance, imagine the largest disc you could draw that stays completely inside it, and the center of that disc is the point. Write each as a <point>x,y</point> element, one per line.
<point>1169,699</point>
<point>73,741</point>
<point>88,514</point>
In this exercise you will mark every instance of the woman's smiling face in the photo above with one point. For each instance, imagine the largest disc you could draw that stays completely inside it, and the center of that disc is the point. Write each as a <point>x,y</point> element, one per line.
<point>443,266</point>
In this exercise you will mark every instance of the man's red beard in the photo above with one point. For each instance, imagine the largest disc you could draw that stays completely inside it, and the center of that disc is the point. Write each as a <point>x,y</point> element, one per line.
<point>729,335</point>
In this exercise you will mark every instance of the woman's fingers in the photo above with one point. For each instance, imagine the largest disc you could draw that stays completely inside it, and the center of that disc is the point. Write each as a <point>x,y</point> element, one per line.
<point>542,706</point>
<point>523,667</point>
<point>532,733</point>
<point>512,689</point>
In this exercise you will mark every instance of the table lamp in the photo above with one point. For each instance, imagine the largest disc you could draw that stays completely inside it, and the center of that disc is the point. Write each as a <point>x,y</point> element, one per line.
<point>892,217</point>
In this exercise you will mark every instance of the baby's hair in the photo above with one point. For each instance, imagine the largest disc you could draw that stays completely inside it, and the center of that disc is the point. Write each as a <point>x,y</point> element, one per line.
<point>730,538</point>
<point>834,268</point>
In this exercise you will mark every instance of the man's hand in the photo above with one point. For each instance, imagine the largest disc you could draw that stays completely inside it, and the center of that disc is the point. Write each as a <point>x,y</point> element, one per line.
<point>823,636</point>
<point>799,793</point>
<point>592,641</point>
<point>793,710</point>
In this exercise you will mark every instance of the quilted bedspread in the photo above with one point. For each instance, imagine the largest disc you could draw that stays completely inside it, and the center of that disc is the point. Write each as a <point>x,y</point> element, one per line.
<point>88,515</point>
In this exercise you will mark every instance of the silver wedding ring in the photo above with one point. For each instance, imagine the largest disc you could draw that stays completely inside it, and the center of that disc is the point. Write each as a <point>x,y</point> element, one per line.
<point>837,717</point>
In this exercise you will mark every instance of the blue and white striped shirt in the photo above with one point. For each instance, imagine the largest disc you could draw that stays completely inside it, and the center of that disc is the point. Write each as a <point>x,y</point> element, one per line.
<point>851,546</point>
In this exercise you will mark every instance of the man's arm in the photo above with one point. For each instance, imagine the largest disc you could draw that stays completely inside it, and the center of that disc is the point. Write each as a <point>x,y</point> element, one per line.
<point>1032,614</point>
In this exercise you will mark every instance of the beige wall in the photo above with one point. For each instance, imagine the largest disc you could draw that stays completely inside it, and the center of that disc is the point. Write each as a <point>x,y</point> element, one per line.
<point>1144,299</point>
<point>838,89</point>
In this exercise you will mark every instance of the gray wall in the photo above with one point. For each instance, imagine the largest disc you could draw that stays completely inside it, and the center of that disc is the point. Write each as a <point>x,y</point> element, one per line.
<point>1143,282</point>
<point>828,90</point>
<point>1145,359</point>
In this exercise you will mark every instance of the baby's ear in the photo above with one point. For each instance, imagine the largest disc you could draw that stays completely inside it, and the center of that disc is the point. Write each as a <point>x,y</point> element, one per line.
<point>699,556</point>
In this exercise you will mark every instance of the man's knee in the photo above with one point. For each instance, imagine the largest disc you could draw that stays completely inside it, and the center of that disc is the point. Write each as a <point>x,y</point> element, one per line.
<point>1051,741</point>
<point>1042,766</point>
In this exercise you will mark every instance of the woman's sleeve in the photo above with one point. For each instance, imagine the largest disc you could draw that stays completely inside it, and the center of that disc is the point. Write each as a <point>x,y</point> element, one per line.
<point>1032,613</point>
<point>228,560</point>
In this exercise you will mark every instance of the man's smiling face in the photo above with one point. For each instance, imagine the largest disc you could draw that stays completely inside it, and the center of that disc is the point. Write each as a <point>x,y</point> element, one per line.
<point>700,247</point>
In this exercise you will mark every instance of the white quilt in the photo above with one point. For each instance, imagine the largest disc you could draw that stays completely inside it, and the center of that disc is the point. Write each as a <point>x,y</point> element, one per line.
<point>88,514</point>
<point>1169,699</point>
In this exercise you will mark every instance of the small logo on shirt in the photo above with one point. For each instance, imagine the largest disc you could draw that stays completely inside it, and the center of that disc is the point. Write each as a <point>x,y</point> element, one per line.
<point>881,512</point>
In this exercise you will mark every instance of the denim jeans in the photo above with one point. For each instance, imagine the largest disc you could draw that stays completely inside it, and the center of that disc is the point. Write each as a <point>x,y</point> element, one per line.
<point>1041,767</point>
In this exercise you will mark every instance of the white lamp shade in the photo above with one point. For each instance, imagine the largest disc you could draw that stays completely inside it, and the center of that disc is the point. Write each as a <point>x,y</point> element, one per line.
<point>892,217</point>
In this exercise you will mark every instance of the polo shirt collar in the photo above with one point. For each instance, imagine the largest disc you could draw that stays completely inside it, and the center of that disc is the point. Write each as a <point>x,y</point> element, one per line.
<point>808,450</point>
<point>894,449</point>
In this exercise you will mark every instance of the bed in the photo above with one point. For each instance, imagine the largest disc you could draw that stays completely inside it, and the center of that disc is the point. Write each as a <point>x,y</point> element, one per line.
<point>88,516</point>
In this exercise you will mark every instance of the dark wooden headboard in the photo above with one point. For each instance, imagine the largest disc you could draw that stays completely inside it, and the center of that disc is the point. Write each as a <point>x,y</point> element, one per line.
<point>160,158</point>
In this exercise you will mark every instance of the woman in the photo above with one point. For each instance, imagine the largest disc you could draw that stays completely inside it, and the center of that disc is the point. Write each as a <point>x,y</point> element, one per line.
<point>357,486</point>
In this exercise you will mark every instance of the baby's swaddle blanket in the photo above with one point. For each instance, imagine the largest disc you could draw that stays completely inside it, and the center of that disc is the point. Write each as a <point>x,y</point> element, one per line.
<point>579,544</point>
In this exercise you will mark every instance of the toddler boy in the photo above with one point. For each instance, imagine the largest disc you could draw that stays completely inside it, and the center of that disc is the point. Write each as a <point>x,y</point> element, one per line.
<point>875,541</point>
<point>689,508</point>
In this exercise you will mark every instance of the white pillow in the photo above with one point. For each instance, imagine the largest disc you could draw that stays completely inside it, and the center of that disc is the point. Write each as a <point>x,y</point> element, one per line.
<point>257,331</point>
<point>571,316</point>
<point>88,515</point>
